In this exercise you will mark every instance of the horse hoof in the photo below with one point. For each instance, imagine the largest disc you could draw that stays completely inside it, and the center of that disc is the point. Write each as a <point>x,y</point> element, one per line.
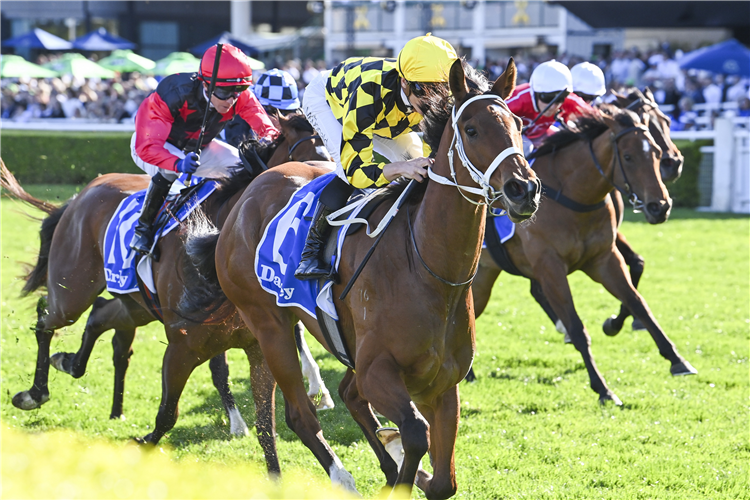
<point>237,425</point>
<point>610,328</point>
<point>567,338</point>
<point>58,361</point>
<point>560,327</point>
<point>120,416</point>
<point>322,401</point>
<point>24,401</point>
<point>638,325</point>
<point>471,376</point>
<point>390,438</point>
<point>677,369</point>
<point>146,440</point>
<point>610,397</point>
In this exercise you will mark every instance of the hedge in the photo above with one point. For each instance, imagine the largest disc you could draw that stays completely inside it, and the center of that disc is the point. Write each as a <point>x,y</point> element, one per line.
<point>684,191</point>
<point>40,157</point>
<point>43,157</point>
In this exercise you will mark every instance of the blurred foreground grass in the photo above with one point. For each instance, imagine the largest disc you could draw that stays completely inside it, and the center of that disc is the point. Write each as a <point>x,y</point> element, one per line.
<point>61,464</point>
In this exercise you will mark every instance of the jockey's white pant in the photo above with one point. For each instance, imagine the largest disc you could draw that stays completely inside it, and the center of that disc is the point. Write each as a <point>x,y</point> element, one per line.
<point>320,116</point>
<point>218,159</point>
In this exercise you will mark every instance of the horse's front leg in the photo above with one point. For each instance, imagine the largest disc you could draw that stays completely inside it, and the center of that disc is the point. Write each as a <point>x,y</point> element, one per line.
<point>443,432</point>
<point>362,413</point>
<point>381,384</point>
<point>610,272</point>
<point>636,263</point>
<point>552,274</point>
<point>220,377</point>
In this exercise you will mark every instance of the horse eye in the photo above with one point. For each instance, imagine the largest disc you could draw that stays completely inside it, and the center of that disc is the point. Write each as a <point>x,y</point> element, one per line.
<point>627,157</point>
<point>471,131</point>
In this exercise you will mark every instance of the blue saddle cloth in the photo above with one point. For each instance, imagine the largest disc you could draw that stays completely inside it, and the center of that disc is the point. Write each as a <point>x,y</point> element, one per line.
<point>280,249</point>
<point>119,258</point>
<point>504,226</point>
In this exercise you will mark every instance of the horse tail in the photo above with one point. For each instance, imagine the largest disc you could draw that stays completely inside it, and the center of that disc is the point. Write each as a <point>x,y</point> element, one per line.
<point>11,184</point>
<point>202,300</point>
<point>38,275</point>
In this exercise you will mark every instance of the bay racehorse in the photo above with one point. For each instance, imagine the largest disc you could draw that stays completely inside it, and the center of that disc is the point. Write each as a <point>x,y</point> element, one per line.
<point>71,254</point>
<point>409,318</point>
<point>615,151</point>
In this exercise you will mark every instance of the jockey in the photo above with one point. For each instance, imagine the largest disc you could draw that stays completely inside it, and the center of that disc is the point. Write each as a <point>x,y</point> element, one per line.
<point>548,80</point>
<point>588,82</point>
<point>168,123</point>
<point>277,90</point>
<point>366,105</point>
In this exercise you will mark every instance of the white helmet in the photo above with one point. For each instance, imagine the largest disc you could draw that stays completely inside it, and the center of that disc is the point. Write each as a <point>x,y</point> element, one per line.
<point>551,76</point>
<point>588,79</point>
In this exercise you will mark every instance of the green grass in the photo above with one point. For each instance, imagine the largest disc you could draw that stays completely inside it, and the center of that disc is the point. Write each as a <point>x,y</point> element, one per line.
<point>530,426</point>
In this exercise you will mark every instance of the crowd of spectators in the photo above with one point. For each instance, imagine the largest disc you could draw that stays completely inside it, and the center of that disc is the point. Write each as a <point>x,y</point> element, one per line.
<point>692,98</point>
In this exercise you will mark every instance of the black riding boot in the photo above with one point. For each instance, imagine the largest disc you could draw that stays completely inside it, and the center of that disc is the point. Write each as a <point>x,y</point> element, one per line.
<point>312,266</point>
<point>157,192</point>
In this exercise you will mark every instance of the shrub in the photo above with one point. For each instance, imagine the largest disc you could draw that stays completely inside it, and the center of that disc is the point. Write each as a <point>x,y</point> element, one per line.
<point>43,157</point>
<point>684,191</point>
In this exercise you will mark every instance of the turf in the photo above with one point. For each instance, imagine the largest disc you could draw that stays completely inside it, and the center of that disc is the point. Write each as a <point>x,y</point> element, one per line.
<point>530,426</point>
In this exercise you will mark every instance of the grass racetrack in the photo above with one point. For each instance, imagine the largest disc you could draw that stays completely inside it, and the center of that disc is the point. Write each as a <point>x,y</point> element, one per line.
<point>530,426</point>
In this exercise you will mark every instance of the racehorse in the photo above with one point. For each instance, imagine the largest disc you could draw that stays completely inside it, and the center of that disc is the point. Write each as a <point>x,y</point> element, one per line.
<point>615,151</point>
<point>408,318</point>
<point>70,254</point>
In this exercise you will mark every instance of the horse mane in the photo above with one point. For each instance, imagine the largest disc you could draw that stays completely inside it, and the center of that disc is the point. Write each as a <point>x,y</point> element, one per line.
<point>585,128</point>
<point>438,107</point>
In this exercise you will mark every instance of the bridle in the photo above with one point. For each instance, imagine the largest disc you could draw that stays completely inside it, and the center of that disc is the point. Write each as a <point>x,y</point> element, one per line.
<point>489,193</point>
<point>626,190</point>
<point>294,146</point>
<point>485,190</point>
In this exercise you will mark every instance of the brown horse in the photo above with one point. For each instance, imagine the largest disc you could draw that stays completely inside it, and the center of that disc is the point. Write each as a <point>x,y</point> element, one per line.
<point>409,317</point>
<point>70,254</point>
<point>670,167</point>
<point>616,151</point>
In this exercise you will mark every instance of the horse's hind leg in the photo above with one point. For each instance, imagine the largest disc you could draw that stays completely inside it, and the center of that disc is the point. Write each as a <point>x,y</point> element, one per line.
<point>362,413</point>
<point>122,349</point>
<point>611,274</point>
<point>538,294</point>
<point>105,315</point>
<point>220,376</point>
<point>552,275</point>
<point>636,263</point>
<point>39,392</point>
<point>317,391</point>
<point>264,389</point>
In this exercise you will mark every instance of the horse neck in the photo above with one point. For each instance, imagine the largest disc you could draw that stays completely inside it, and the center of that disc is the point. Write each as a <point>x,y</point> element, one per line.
<point>279,156</point>
<point>447,228</point>
<point>576,174</point>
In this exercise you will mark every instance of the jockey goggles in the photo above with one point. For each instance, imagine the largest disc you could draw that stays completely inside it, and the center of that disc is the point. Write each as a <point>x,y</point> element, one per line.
<point>547,97</point>
<point>226,93</point>
<point>416,89</point>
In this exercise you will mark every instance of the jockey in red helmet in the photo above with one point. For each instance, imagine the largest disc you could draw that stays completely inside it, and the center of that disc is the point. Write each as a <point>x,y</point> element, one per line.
<point>168,123</point>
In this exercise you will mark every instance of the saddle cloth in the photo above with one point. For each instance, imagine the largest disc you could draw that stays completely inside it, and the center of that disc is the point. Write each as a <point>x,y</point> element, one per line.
<point>119,258</point>
<point>504,226</point>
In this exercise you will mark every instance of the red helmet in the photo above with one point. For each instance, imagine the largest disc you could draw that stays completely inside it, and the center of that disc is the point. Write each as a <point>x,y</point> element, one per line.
<point>234,67</point>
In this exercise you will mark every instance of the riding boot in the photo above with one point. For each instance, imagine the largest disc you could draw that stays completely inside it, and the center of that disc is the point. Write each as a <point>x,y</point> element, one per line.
<point>157,192</point>
<point>312,266</point>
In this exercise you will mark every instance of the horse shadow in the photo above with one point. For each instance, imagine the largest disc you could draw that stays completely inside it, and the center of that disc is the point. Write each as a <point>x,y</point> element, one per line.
<point>337,424</point>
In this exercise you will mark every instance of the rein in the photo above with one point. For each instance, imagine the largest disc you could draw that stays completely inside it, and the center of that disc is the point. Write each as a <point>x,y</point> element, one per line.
<point>626,191</point>
<point>294,146</point>
<point>416,250</point>
<point>481,178</point>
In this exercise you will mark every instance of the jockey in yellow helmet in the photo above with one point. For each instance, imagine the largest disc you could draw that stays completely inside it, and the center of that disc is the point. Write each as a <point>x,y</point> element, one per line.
<point>366,105</point>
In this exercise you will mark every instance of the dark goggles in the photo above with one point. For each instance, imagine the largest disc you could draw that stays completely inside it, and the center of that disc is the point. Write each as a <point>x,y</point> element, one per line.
<point>417,89</point>
<point>548,97</point>
<point>586,97</point>
<point>225,93</point>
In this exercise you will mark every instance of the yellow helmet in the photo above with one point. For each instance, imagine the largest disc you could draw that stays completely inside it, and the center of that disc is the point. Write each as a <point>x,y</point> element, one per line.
<point>426,59</point>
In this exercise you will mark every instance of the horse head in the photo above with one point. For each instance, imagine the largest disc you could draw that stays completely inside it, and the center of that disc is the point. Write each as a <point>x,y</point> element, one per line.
<point>487,142</point>
<point>659,123</point>
<point>303,144</point>
<point>636,164</point>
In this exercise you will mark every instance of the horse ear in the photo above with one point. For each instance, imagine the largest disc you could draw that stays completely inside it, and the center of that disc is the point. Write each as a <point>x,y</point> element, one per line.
<point>607,113</point>
<point>506,83</point>
<point>457,81</point>
<point>649,95</point>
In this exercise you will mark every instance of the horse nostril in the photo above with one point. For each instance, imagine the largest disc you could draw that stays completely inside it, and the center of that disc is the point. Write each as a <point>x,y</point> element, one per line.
<point>667,162</point>
<point>655,208</point>
<point>515,190</point>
